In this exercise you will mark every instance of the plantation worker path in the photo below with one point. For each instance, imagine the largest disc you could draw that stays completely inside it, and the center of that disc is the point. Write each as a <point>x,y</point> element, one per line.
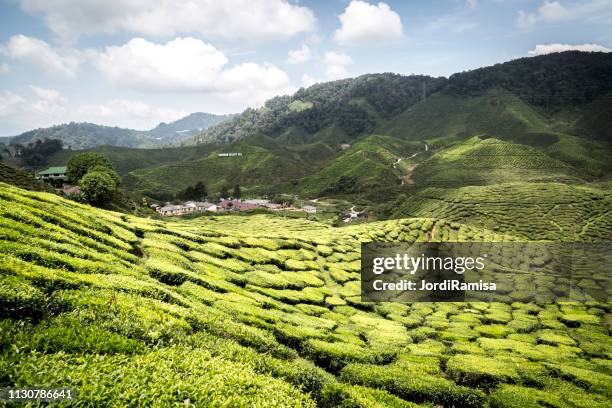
<point>406,177</point>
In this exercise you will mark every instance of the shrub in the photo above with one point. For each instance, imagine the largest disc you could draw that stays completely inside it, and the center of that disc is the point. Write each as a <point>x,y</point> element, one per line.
<point>338,395</point>
<point>98,187</point>
<point>412,386</point>
<point>480,371</point>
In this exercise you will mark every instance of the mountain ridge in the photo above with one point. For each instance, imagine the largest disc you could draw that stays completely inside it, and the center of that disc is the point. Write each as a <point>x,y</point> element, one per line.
<point>85,135</point>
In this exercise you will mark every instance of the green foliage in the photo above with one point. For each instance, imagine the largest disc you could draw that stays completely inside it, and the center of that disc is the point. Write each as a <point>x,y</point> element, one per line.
<point>264,310</point>
<point>36,153</point>
<point>22,179</point>
<point>81,163</point>
<point>539,80</point>
<point>98,187</point>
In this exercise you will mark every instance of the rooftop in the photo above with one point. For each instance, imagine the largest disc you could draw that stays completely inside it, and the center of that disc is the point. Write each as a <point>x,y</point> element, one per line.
<point>53,170</point>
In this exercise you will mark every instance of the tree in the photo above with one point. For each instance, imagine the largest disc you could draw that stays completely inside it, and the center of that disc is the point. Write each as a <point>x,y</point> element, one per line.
<point>98,187</point>
<point>108,170</point>
<point>200,190</point>
<point>237,193</point>
<point>81,163</point>
<point>224,192</point>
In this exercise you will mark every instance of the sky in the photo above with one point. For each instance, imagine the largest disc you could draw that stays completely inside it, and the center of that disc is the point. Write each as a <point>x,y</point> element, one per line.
<point>136,63</point>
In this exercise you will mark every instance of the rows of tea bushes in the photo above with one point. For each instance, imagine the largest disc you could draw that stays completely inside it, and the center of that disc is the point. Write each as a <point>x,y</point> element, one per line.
<point>531,211</point>
<point>492,161</point>
<point>266,311</point>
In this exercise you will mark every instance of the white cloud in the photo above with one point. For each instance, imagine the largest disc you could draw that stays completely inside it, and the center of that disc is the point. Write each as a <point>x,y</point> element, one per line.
<point>127,113</point>
<point>10,103</point>
<point>308,80</point>
<point>363,22</point>
<point>187,65</point>
<point>40,53</point>
<point>183,64</point>
<point>335,65</point>
<point>49,107</point>
<point>542,49</point>
<point>300,55</point>
<point>48,94</point>
<point>553,11</point>
<point>228,19</point>
<point>4,68</point>
<point>471,3</point>
<point>453,23</point>
<point>50,101</point>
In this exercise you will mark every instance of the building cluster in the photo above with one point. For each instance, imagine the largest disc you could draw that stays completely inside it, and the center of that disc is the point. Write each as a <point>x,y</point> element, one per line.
<point>192,207</point>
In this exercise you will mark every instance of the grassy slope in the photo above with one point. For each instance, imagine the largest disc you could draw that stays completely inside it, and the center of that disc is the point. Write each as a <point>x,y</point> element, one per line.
<point>21,178</point>
<point>489,161</point>
<point>497,112</point>
<point>262,166</point>
<point>126,159</point>
<point>533,211</point>
<point>369,161</point>
<point>265,311</point>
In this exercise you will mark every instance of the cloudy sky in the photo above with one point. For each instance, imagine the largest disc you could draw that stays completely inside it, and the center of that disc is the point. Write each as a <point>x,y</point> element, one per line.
<point>134,63</point>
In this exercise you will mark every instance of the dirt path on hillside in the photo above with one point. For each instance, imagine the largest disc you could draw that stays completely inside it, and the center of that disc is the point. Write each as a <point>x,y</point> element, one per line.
<point>407,176</point>
<point>432,233</point>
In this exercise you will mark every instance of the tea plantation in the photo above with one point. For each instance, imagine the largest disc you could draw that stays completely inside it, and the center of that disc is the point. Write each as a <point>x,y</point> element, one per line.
<point>264,311</point>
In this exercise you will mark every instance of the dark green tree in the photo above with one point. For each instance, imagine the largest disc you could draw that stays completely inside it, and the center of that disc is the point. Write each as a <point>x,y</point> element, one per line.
<point>81,163</point>
<point>237,193</point>
<point>108,170</point>
<point>98,187</point>
<point>224,192</point>
<point>200,191</point>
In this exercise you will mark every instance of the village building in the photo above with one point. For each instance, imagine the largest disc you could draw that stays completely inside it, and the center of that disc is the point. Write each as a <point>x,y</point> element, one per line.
<point>175,210</point>
<point>309,209</point>
<point>232,154</point>
<point>202,205</point>
<point>53,173</point>
<point>258,201</point>
<point>237,205</point>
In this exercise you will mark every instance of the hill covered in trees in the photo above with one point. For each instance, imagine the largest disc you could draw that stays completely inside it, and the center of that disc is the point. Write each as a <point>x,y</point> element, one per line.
<point>84,135</point>
<point>562,87</point>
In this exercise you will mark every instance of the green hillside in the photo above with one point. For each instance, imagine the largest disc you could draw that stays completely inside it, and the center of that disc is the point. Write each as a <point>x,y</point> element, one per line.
<point>332,112</point>
<point>79,136</point>
<point>481,161</point>
<point>497,112</point>
<point>366,165</point>
<point>550,211</point>
<point>567,92</point>
<point>262,165</point>
<point>265,311</point>
<point>22,179</point>
<point>126,159</point>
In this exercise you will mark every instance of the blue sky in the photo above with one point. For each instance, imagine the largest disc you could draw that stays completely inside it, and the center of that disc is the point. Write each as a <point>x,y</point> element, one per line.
<point>134,63</point>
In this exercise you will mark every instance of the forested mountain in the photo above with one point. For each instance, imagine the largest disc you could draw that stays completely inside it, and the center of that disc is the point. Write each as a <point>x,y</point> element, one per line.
<point>87,135</point>
<point>337,111</point>
<point>188,126</point>
<point>571,85</point>
<point>84,135</point>
<point>553,82</point>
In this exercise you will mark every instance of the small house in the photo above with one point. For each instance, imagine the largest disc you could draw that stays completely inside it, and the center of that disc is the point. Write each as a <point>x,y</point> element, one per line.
<point>309,209</point>
<point>52,173</point>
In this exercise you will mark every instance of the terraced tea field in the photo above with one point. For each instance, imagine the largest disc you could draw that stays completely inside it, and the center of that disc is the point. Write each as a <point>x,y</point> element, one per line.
<point>492,161</point>
<point>265,311</point>
<point>537,211</point>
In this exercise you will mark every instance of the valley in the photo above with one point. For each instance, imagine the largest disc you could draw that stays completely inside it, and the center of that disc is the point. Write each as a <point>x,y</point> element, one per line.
<point>263,308</point>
